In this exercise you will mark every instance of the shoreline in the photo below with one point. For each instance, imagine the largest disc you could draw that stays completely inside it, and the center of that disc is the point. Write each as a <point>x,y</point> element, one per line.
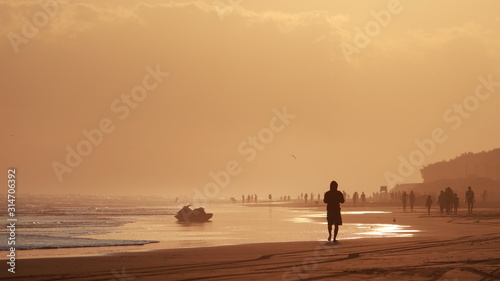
<point>408,219</point>
<point>148,245</point>
<point>387,259</point>
<point>463,247</point>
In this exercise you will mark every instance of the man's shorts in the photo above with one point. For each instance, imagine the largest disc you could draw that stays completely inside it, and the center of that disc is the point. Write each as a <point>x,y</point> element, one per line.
<point>334,217</point>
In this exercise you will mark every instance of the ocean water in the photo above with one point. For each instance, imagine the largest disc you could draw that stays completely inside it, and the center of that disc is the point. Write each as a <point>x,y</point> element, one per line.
<point>61,221</point>
<point>75,221</point>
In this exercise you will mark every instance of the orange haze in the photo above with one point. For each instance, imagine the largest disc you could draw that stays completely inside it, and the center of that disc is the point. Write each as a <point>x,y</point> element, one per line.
<point>122,97</point>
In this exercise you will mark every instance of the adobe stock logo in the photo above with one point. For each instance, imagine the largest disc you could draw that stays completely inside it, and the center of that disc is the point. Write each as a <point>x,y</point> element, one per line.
<point>48,10</point>
<point>303,271</point>
<point>363,37</point>
<point>454,117</point>
<point>122,107</point>
<point>248,148</point>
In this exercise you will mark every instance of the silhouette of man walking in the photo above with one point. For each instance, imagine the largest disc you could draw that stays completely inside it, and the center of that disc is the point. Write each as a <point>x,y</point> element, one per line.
<point>428,204</point>
<point>333,198</point>
<point>412,200</point>
<point>469,198</point>
<point>404,197</point>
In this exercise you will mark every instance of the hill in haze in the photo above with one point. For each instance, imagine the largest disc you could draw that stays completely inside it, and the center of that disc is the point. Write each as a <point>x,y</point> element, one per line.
<point>479,165</point>
<point>478,170</point>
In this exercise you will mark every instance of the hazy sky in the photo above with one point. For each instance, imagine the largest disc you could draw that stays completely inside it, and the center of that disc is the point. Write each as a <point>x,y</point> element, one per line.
<point>324,91</point>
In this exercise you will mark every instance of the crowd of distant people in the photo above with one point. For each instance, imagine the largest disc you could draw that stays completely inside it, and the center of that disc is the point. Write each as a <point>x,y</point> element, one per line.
<point>251,198</point>
<point>310,197</point>
<point>448,201</point>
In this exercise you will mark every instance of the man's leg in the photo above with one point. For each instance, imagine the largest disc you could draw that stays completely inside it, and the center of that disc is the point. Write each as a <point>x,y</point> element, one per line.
<point>329,231</point>
<point>335,231</point>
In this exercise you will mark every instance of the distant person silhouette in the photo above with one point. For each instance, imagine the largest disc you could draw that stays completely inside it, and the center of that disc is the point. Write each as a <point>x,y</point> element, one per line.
<point>412,200</point>
<point>404,198</point>
<point>333,198</point>
<point>428,204</point>
<point>441,201</point>
<point>455,204</point>
<point>448,199</point>
<point>469,198</point>
<point>355,197</point>
<point>305,196</point>
<point>363,198</point>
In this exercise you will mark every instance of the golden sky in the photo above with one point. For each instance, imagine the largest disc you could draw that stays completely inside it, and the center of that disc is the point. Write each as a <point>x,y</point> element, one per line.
<point>179,89</point>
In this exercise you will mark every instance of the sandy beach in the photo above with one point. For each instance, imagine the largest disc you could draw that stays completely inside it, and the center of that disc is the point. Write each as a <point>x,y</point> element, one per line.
<point>457,247</point>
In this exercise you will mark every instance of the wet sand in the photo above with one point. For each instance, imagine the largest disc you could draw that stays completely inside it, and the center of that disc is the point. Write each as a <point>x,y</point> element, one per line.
<point>448,248</point>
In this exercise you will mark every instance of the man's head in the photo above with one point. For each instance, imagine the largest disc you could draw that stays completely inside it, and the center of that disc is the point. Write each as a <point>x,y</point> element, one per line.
<point>469,188</point>
<point>334,185</point>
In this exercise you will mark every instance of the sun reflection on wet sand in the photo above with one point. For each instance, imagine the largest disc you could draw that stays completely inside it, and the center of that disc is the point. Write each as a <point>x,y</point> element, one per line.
<point>364,212</point>
<point>354,230</point>
<point>386,230</point>
<point>359,230</point>
<point>322,214</point>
